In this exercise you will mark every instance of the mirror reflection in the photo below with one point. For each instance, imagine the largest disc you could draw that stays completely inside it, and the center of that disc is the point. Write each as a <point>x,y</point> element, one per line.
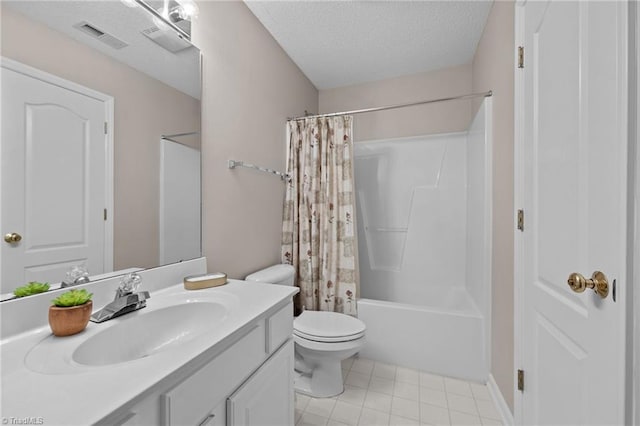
<point>100,148</point>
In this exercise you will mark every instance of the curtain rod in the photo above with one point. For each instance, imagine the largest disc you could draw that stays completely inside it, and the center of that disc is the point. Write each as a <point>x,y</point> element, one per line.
<point>374,109</point>
<point>177,135</point>
<point>180,143</point>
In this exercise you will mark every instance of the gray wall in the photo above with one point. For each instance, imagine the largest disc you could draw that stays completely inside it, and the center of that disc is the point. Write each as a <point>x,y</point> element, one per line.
<point>250,87</point>
<point>419,120</point>
<point>493,69</point>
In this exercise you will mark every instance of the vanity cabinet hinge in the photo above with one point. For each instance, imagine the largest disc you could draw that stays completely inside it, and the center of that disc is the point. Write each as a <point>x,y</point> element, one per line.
<point>521,220</point>
<point>106,128</point>
<point>521,380</point>
<point>105,214</point>
<point>520,56</point>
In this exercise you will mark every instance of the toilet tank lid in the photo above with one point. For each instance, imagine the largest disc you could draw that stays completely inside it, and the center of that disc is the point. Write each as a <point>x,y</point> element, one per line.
<point>273,274</point>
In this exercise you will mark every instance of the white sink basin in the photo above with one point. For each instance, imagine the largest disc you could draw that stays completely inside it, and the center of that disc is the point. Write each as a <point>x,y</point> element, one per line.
<point>149,333</point>
<point>171,324</point>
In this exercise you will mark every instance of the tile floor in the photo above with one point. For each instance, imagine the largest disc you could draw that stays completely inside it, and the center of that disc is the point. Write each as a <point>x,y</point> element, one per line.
<point>382,394</point>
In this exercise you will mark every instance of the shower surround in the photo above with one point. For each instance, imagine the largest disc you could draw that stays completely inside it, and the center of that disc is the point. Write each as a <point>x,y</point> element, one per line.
<point>424,236</point>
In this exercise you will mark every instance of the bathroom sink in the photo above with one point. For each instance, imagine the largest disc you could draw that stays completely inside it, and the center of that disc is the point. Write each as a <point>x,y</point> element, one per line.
<point>149,333</point>
<point>135,336</point>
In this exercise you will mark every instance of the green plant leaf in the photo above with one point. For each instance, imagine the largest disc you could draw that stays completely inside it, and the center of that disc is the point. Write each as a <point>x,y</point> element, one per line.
<point>33,287</point>
<point>72,298</point>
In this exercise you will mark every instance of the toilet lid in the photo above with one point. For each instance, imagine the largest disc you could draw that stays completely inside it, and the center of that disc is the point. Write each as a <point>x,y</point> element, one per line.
<point>328,326</point>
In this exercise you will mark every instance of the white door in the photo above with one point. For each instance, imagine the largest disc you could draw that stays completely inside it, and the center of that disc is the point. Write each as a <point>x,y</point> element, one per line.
<point>54,155</point>
<point>573,165</point>
<point>179,202</point>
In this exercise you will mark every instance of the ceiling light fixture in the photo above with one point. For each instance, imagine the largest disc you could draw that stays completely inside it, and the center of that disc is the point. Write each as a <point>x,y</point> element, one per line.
<point>188,9</point>
<point>175,11</point>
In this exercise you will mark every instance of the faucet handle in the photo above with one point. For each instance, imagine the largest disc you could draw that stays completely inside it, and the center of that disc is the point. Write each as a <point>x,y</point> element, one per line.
<point>78,274</point>
<point>129,283</point>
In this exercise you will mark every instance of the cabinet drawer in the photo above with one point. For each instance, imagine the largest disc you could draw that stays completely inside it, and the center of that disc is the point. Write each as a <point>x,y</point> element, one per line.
<point>279,328</point>
<point>191,402</point>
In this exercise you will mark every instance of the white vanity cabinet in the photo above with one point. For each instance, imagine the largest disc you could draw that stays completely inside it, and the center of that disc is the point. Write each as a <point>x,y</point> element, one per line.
<point>250,382</point>
<point>261,400</point>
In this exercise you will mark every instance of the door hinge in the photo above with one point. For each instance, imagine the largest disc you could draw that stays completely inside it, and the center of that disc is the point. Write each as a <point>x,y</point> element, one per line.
<point>521,380</point>
<point>106,128</point>
<point>520,56</point>
<point>521,220</point>
<point>105,214</point>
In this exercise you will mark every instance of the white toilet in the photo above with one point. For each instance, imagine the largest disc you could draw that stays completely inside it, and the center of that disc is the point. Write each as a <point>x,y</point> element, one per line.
<point>322,340</point>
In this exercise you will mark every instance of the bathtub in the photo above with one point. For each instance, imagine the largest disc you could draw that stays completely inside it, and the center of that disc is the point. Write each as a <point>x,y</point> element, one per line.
<point>445,335</point>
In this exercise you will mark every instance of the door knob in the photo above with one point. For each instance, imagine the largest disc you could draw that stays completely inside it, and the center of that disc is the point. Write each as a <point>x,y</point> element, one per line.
<point>598,282</point>
<point>12,238</point>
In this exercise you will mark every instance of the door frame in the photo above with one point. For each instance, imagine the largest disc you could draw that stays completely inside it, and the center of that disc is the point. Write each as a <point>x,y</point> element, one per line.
<point>108,101</point>
<point>518,198</point>
<point>633,305</point>
<point>631,357</point>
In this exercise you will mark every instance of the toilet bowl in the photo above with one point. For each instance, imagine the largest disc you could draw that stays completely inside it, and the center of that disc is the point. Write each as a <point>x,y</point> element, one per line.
<point>322,340</point>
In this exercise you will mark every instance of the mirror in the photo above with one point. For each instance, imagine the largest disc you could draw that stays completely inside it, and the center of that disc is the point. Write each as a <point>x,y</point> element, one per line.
<point>146,76</point>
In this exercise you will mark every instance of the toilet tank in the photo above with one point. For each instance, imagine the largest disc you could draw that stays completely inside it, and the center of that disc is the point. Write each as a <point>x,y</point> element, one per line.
<point>277,274</point>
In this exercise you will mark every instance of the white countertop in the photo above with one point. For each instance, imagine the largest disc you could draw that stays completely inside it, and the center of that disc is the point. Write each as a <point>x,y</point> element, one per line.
<point>69,393</point>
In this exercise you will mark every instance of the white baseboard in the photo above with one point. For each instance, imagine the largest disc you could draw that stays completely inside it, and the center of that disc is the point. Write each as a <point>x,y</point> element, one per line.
<point>499,401</point>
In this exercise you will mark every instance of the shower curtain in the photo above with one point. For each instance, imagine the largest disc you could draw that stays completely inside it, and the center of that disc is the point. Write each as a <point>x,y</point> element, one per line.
<point>318,230</point>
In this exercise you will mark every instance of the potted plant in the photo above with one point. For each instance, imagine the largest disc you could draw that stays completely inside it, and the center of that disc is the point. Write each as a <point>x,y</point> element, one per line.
<point>69,313</point>
<point>33,287</point>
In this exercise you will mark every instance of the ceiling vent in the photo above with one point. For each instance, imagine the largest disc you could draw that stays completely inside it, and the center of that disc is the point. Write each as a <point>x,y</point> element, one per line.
<point>98,34</point>
<point>169,39</point>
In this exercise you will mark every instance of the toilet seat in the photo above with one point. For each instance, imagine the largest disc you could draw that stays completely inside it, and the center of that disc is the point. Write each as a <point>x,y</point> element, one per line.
<point>323,339</point>
<point>328,327</point>
<point>331,348</point>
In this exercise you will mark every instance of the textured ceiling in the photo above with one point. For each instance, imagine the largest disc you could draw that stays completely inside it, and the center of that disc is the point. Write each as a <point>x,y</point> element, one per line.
<point>179,70</point>
<point>340,43</point>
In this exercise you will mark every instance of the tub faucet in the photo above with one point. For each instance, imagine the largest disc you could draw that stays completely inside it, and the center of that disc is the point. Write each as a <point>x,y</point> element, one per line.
<point>126,300</point>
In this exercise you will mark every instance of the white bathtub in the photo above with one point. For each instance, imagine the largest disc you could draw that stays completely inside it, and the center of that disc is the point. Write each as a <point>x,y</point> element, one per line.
<point>424,244</point>
<point>445,336</point>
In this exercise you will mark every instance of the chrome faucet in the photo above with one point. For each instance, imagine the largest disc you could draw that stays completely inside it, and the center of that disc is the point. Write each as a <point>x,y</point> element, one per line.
<point>77,275</point>
<point>126,300</point>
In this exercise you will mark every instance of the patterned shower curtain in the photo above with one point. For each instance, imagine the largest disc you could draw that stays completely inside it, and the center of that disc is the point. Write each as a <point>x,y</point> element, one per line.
<point>318,230</point>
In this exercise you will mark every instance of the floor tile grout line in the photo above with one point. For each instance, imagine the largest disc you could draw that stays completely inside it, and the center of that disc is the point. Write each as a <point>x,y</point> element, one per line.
<point>446,395</point>
<point>475,402</point>
<point>468,414</point>
<point>334,407</point>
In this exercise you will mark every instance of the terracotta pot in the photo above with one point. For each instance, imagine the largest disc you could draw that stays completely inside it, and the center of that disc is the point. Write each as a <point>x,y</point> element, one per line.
<point>71,320</point>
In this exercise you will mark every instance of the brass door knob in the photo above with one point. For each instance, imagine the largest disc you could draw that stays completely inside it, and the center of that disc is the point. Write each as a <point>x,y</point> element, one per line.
<point>598,282</point>
<point>12,238</point>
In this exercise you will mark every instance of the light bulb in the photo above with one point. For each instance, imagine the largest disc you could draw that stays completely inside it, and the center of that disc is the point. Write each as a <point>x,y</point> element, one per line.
<point>189,9</point>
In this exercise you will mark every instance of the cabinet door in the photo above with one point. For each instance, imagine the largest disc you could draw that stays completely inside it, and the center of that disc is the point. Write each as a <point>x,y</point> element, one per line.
<point>266,398</point>
<point>190,402</point>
